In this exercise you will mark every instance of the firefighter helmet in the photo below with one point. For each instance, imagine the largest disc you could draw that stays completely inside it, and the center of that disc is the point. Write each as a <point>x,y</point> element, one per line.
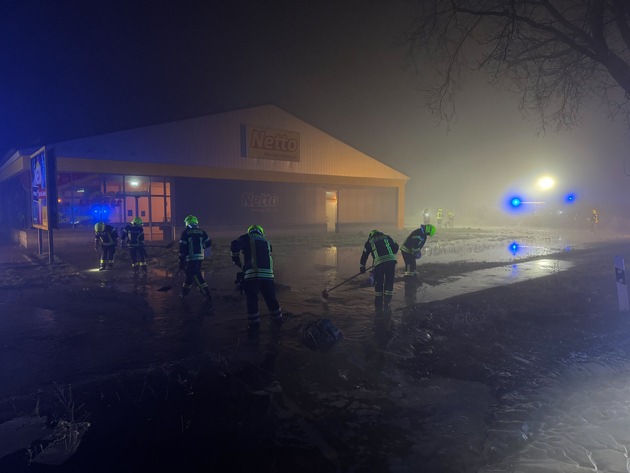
<point>256,228</point>
<point>429,229</point>
<point>99,227</point>
<point>191,220</point>
<point>137,221</point>
<point>373,233</point>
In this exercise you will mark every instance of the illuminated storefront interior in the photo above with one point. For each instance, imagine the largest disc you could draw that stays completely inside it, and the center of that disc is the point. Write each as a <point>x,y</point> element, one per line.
<point>84,199</point>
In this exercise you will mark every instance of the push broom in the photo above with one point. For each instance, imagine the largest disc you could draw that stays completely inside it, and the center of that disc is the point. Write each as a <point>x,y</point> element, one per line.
<point>325,292</point>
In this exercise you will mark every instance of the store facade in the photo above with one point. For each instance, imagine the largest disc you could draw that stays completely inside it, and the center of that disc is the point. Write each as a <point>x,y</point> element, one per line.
<point>232,169</point>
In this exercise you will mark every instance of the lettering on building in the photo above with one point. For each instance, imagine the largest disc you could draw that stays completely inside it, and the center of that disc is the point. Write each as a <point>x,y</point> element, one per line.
<point>260,202</point>
<point>267,143</point>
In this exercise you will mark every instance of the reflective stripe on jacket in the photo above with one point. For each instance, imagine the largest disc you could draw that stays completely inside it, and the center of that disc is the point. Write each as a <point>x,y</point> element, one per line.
<point>192,243</point>
<point>415,241</point>
<point>133,235</point>
<point>257,259</point>
<point>108,237</point>
<point>382,248</point>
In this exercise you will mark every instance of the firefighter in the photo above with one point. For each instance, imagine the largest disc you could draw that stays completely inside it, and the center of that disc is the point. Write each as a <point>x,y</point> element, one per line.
<point>450,219</point>
<point>383,250</point>
<point>594,220</point>
<point>107,237</point>
<point>438,217</point>
<point>258,277</point>
<point>411,249</point>
<point>132,236</point>
<point>192,244</point>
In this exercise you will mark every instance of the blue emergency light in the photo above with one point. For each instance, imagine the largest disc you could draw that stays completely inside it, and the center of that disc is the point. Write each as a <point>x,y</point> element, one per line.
<point>515,202</point>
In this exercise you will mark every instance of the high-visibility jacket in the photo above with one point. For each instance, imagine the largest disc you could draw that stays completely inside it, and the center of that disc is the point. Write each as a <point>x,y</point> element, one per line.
<point>133,235</point>
<point>192,243</point>
<point>382,248</point>
<point>415,241</point>
<point>257,260</point>
<point>108,237</point>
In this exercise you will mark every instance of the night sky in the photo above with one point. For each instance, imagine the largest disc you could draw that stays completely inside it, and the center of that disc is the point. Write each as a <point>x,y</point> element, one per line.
<point>78,68</point>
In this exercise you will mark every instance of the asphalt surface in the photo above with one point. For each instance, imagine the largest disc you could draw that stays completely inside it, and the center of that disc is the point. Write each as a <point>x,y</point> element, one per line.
<point>192,392</point>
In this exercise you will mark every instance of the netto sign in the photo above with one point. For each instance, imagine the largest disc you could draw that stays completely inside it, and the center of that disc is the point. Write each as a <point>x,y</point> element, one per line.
<point>266,143</point>
<point>259,201</point>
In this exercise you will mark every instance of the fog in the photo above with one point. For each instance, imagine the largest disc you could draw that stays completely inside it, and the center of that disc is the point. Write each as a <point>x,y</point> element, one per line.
<point>341,67</point>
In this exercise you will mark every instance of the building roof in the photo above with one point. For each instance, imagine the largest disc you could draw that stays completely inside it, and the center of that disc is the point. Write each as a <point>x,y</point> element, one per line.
<point>215,141</point>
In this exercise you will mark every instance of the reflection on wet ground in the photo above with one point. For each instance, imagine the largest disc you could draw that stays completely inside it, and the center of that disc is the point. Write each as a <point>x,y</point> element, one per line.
<point>353,408</point>
<point>576,423</point>
<point>491,277</point>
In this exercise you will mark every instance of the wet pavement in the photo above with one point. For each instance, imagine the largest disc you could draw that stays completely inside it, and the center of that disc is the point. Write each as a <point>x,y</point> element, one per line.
<point>177,377</point>
<point>479,280</point>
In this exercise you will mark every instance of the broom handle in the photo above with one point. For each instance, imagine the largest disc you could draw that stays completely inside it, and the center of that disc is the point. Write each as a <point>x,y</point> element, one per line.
<point>347,280</point>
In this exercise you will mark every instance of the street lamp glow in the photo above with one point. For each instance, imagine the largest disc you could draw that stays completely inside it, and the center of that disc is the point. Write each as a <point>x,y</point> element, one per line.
<point>546,183</point>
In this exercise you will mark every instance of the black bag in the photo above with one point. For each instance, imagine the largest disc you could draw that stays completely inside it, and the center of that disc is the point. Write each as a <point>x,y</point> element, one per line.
<point>320,335</point>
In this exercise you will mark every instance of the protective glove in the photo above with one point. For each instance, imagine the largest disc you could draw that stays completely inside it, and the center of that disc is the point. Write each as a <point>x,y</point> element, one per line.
<point>418,255</point>
<point>237,261</point>
<point>362,269</point>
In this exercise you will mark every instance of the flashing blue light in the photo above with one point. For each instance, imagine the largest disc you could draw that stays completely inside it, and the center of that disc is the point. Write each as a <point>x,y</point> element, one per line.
<point>515,201</point>
<point>514,247</point>
<point>100,213</point>
<point>569,198</point>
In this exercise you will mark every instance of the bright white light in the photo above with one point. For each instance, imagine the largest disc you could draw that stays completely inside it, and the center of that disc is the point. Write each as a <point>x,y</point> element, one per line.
<point>134,183</point>
<point>546,183</point>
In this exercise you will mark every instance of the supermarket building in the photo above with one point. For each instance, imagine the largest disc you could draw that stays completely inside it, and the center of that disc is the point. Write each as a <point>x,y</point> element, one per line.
<point>257,165</point>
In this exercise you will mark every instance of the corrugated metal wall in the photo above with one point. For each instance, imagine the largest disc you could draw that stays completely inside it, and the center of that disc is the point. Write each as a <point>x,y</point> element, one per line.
<point>368,204</point>
<point>215,141</point>
<point>223,204</point>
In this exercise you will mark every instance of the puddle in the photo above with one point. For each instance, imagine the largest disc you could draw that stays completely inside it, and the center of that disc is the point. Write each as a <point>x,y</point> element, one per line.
<point>491,277</point>
<point>368,393</point>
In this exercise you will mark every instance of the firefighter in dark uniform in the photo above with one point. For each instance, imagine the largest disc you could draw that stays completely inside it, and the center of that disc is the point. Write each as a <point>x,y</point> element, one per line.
<point>383,250</point>
<point>411,249</point>
<point>132,236</point>
<point>257,266</point>
<point>192,244</point>
<point>107,237</point>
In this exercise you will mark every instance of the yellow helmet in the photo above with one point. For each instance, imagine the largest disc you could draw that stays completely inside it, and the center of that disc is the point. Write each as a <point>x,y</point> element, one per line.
<point>99,227</point>
<point>256,228</point>
<point>429,229</point>
<point>137,221</point>
<point>191,220</point>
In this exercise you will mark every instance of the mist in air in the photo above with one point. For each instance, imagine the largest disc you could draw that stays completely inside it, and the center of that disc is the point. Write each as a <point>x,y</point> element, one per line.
<point>81,73</point>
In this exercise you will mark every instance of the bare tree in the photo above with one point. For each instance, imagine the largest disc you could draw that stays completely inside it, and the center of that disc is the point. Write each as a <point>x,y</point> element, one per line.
<point>557,54</point>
